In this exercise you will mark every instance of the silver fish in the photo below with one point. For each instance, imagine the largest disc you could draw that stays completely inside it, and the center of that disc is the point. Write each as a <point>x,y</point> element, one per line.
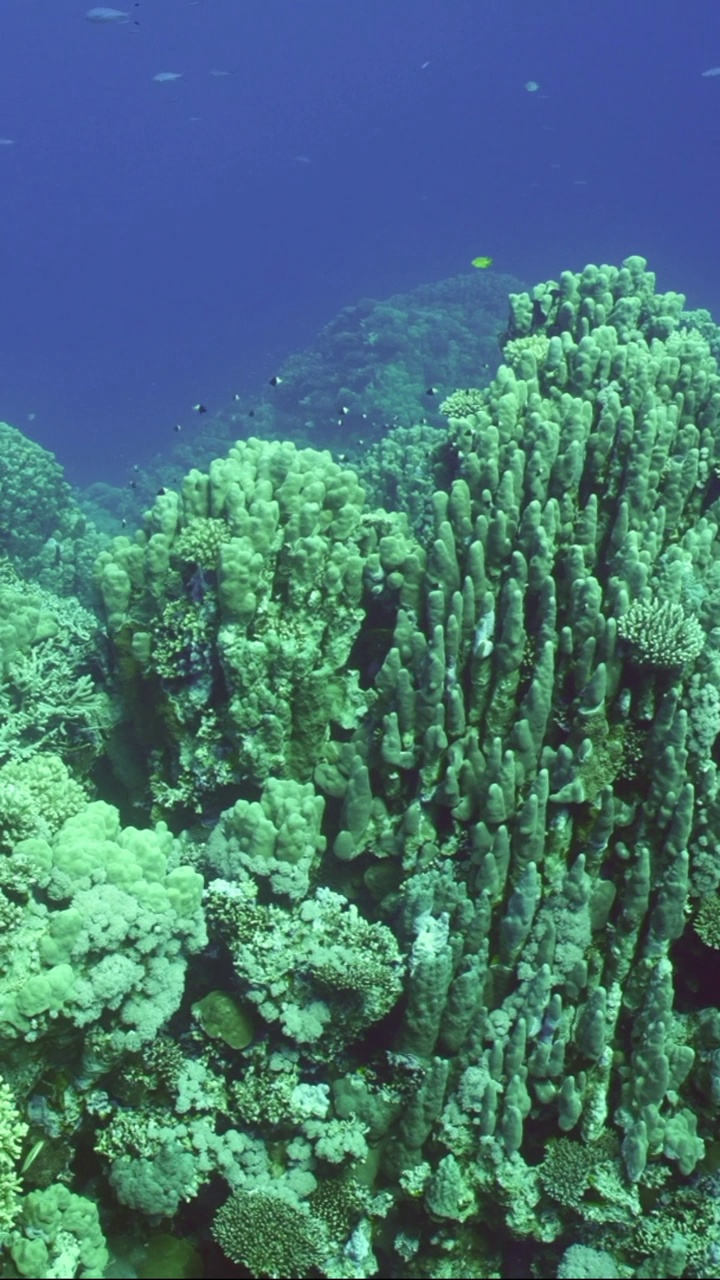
<point>103,14</point>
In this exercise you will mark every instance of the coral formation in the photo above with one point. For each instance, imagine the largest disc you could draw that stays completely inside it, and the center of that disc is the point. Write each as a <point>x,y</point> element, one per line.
<point>426,961</point>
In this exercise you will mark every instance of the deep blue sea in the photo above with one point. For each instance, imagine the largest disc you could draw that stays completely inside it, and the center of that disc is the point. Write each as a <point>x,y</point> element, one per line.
<point>172,241</point>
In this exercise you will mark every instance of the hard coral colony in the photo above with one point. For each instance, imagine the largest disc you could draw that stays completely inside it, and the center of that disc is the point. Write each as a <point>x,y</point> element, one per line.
<point>411,957</point>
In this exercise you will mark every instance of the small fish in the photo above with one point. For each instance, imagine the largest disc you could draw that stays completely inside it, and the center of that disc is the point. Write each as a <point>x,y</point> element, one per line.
<point>237,396</point>
<point>251,413</point>
<point>7,142</point>
<point>177,427</point>
<point>343,409</point>
<point>532,86</point>
<point>303,159</point>
<point>164,77</point>
<point>431,391</point>
<point>711,71</point>
<point>199,408</point>
<point>424,65</point>
<point>32,1155</point>
<point>275,380</point>
<point>214,71</point>
<point>482,263</point>
<point>103,14</point>
<point>160,493</point>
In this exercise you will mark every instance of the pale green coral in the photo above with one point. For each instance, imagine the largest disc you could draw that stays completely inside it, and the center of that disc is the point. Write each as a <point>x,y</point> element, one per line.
<point>50,697</point>
<point>46,535</point>
<point>346,972</point>
<point>12,1132</point>
<point>707,922</point>
<point>260,632</point>
<point>271,1235</point>
<point>581,1263</point>
<point>223,1018</point>
<point>36,797</point>
<point>59,1234</point>
<point>33,495</point>
<point>462,889</point>
<point>200,541</point>
<point>463,403</point>
<point>117,934</point>
<point>403,470</point>
<point>157,1160</point>
<point>525,355</point>
<point>547,752</point>
<point>661,634</point>
<point>277,838</point>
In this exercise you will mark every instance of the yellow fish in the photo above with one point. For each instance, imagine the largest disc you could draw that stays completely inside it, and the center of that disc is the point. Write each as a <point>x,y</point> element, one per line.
<point>481,262</point>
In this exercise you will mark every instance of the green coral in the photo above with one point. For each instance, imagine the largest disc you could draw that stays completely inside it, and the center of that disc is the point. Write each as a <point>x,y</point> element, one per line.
<point>463,403</point>
<point>707,922</point>
<point>527,354</point>
<point>46,535</point>
<point>346,972</point>
<point>582,1263</point>
<point>200,541</point>
<point>33,493</point>
<point>465,800</point>
<point>59,1234</point>
<point>50,696</point>
<point>661,634</point>
<point>511,721</point>
<point>271,1235</point>
<point>115,939</point>
<point>277,838</point>
<point>37,795</point>
<point>257,635</point>
<point>699,320</point>
<point>588,1178</point>
<point>262,1097</point>
<point>12,1132</point>
<point>403,469</point>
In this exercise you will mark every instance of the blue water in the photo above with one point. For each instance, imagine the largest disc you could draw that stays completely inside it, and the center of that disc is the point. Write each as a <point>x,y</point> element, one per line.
<point>168,242</point>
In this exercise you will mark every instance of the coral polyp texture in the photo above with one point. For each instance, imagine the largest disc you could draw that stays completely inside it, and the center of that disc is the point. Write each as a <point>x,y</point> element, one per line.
<point>455,803</point>
<point>235,612</point>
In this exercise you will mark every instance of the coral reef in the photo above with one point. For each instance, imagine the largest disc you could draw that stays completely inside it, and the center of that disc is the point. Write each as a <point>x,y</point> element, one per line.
<point>44,530</point>
<point>235,613</point>
<point>409,963</point>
